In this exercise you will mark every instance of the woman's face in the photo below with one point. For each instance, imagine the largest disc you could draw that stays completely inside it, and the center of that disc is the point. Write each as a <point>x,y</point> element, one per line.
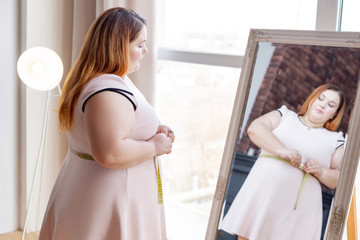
<point>137,50</point>
<point>324,107</point>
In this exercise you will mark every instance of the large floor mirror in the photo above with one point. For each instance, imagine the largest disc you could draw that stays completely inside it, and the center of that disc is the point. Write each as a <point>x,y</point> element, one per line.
<point>282,67</point>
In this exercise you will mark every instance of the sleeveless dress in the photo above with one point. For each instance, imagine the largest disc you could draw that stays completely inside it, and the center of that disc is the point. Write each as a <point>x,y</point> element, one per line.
<point>267,207</point>
<point>90,202</point>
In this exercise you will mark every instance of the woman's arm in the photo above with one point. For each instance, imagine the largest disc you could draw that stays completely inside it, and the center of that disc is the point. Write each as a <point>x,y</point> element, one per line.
<point>109,118</point>
<point>328,176</point>
<point>260,133</point>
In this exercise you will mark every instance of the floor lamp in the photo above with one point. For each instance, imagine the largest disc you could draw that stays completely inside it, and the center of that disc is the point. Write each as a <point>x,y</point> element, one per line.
<point>41,69</point>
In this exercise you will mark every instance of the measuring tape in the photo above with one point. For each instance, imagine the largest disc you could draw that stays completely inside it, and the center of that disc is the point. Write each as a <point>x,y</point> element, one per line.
<point>159,184</point>
<point>301,167</point>
<point>82,155</point>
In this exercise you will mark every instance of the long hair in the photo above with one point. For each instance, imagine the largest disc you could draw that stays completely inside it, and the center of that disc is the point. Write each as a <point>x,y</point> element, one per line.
<point>331,124</point>
<point>105,51</point>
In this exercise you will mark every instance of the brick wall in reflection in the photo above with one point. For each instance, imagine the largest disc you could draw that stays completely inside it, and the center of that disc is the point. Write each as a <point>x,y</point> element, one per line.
<point>295,71</point>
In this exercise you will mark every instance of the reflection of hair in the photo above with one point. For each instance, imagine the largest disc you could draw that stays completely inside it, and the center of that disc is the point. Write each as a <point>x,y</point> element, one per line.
<point>333,123</point>
<point>105,50</point>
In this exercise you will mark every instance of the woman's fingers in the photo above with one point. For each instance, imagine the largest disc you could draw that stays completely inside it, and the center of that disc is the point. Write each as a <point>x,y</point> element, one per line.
<point>167,131</point>
<point>171,135</point>
<point>296,158</point>
<point>313,167</point>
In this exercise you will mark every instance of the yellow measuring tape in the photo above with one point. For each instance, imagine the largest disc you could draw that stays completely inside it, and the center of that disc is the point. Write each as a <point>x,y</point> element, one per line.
<point>157,171</point>
<point>306,175</point>
<point>159,184</point>
<point>82,155</point>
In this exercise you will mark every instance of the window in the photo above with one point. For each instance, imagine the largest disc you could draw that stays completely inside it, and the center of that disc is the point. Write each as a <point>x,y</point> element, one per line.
<point>350,16</point>
<point>223,27</point>
<point>196,101</point>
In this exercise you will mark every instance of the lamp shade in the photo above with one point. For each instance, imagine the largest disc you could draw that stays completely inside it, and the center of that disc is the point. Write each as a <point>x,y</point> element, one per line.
<point>40,68</point>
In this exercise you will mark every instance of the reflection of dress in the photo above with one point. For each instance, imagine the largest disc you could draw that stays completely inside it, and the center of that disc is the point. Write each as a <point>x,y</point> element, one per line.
<point>90,202</point>
<point>264,207</point>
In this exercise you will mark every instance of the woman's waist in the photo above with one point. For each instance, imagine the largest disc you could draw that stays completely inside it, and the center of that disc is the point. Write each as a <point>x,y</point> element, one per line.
<point>322,159</point>
<point>283,170</point>
<point>84,158</point>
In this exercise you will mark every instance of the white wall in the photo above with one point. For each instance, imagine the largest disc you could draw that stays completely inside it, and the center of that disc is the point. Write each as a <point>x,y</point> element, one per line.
<point>9,115</point>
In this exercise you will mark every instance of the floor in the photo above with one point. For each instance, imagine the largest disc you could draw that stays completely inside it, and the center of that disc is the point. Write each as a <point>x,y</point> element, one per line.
<point>16,235</point>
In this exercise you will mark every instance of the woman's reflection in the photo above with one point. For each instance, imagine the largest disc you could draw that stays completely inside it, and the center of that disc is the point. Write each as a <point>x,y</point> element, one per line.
<point>281,197</point>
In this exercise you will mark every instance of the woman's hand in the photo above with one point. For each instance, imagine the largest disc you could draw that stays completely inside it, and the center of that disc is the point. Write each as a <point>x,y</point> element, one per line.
<point>162,143</point>
<point>291,155</point>
<point>313,167</point>
<point>167,131</point>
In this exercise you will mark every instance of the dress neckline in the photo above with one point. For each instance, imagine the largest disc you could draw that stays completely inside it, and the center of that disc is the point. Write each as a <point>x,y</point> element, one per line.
<point>307,127</point>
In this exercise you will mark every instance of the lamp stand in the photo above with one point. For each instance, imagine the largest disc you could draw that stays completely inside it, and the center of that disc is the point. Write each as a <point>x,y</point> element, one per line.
<point>40,157</point>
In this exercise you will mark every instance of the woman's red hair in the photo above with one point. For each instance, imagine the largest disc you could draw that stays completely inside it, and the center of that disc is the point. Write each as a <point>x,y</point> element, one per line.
<point>105,51</point>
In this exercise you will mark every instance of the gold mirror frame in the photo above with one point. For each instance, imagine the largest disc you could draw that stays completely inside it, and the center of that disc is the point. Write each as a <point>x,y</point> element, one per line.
<point>344,190</point>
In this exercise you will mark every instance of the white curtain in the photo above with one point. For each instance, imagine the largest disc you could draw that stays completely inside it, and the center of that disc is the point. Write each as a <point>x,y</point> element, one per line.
<point>62,25</point>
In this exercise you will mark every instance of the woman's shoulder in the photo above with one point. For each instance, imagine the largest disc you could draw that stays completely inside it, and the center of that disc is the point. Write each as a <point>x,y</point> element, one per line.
<point>108,76</point>
<point>285,111</point>
<point>106,80</point>
<point>334,136</point>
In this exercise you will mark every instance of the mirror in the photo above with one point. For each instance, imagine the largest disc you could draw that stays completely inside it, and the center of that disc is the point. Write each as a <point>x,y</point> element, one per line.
<point>283,67</point>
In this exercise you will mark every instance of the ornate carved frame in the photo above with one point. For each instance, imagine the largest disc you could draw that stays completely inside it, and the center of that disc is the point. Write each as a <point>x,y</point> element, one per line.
<point>347,177</point>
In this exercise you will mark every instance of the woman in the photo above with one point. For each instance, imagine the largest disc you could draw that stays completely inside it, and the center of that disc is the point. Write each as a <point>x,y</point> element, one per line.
<point>281,197</point>
<point>109,186</point>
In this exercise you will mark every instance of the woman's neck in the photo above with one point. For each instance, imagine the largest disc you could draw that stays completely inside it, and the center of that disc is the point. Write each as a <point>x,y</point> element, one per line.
<point>308,123</point>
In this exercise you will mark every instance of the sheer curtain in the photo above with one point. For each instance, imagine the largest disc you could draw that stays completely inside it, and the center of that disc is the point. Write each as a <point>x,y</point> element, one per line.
<point>62,25</point>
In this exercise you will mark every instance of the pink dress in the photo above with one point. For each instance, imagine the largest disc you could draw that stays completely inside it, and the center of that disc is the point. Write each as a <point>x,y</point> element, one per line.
<point>264,209</point>
<point>90,202</point>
